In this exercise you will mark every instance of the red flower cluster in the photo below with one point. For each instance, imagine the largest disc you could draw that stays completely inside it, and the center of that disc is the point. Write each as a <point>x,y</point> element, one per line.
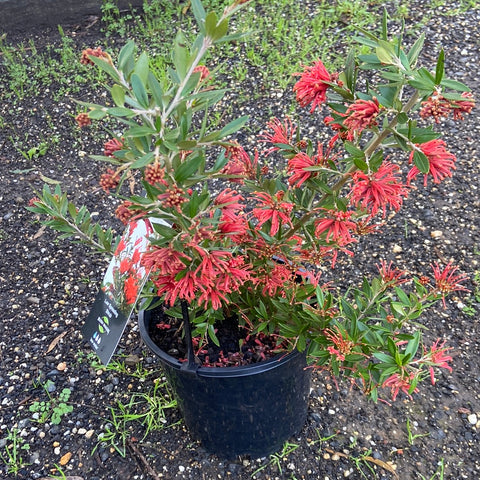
<point>361,114</point>
<point>438,106</point>
<point>83,120</point>
<point>312,86</point>
<point>204,72</point>
<point>97,52</point>
<point>441,161</point>
<point>282,133</point>
<point>109,180</point>
<point>300,166</point>
<point>113,145</point>
<point>377,190</point>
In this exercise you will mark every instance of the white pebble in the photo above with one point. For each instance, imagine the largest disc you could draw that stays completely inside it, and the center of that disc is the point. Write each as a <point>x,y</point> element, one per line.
<point>472,418</point>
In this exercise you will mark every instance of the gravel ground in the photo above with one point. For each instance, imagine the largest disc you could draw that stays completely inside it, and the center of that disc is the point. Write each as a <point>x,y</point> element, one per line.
<point>48,286</point>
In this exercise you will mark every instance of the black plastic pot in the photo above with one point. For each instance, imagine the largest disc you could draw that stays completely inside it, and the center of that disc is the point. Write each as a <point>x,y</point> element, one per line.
<point>248,410</point>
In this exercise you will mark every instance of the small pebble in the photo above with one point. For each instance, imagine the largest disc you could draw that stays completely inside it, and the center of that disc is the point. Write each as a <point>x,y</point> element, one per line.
<point>66,458</point>
<point>472,419</point>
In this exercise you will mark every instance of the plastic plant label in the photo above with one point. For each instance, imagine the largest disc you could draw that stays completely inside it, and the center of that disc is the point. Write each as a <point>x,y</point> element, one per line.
<point>119,292</point>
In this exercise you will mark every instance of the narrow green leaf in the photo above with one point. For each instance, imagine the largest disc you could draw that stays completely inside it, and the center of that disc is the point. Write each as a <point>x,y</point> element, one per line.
<point>199,14</point>
<point>211,24</point>
<point>180,58</point>
<point>234,126</point>
<point>421,161</point>
<point>97,114</point>
<point>141,67</point>
<point>143,161</point>
<point>140,131</point>
<point>454,85</point>
<point>106,67</point>
<point>155,88</point>
<point>414,52</point>
<point>118,95</point>
<point>354,151</point>
<point>440,69</point>
<point>139,90</point>
<point>126,54</point>
<point>188,168</point>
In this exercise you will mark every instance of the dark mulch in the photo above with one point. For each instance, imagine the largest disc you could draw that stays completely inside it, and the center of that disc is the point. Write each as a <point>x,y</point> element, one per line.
<point>48,286</point>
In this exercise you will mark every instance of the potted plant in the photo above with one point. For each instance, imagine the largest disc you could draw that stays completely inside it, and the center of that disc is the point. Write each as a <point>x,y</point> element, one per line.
<point>241,237</point>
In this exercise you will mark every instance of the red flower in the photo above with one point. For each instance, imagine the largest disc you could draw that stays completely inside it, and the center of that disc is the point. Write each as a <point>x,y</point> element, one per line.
<point>282,133</point>
<point>272,209</point>
<point>299,164</point>
<point>240,166</point>
<point>109,179</point>
<point>203,70</point>
<point>375,191</point>
<point>341,341</point>
<point>438,106</point>
<point>391,275</point>
<point>274,280</point>
<point>97,52</point>
<point>437,357</point>
<point>338,226</point>
<point>113,145</point>
<point>441,161</point>
<point>463,106</point>
<point>361,114</point>
<point>83,120</point>
<point>312,86</point>
<point>398,383</point>
<point>446,281</point>
<point>120,247</point>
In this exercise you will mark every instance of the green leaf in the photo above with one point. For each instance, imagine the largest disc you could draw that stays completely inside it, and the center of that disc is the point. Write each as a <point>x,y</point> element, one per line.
<point>143,161</point>
<point>140,131</point>
<point>412,345</point>
<point>440,69</point>
<point>199,14</point>
<point>354,151</point>
<point>188,168</point>
<point>421,161</point>
<point>97,114</point>
<point>360,164</point>
<point>139,90</point>
<point>121,112</point>
<point>234,126</point>
<point>414,52</point>
<point>180,58</point>
<point>454,85</point>
<point>106,67</point>
<point>118,95</point>
<point>211,24</point>
<point>141,67</point>
<point>221,30</point>
<point>126,54</point>
<point>384,56</point>
<point>155,88</point>
<point>384,358</point>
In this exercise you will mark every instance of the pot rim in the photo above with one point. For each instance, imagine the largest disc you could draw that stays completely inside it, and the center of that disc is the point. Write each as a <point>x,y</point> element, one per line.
<point>241,371</point>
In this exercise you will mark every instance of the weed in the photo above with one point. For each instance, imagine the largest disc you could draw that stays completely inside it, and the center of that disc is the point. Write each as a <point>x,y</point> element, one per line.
<point>11,456</point>
<point>52,409</point>
<point>146,409</point>
<point>473,298</point>
<point>438,475</point>
<point>276,458</point>
<point>412,437</point>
